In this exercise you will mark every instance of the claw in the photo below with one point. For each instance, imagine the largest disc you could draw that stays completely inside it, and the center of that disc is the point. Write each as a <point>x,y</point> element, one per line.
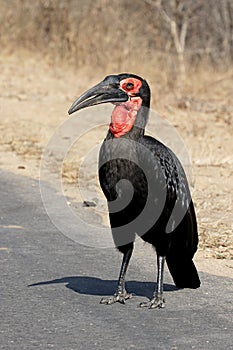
<point>155,303</point>
<point>117,297</point>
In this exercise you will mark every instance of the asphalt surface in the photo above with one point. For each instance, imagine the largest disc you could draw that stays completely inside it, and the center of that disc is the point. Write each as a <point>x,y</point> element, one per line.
<point>51,287</point>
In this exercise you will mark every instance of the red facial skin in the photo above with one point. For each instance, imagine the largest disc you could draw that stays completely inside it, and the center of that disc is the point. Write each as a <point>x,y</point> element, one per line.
<point>124,114</point>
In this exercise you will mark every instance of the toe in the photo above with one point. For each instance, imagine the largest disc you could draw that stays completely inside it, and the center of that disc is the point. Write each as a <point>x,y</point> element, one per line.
<point>144,304</point>
<point>107,301</point>
<point>155,303</point>
<point>118,297</point>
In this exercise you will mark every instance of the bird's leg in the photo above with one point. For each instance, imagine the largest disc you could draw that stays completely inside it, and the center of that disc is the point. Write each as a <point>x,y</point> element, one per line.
<point>121,294</point>
<point>157,301</point>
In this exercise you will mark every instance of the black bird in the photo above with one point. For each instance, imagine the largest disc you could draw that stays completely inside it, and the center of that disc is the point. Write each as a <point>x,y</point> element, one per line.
<point>145,186</point>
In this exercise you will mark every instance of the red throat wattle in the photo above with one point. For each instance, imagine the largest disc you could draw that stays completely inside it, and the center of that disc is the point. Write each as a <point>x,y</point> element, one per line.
<point>124,116</point>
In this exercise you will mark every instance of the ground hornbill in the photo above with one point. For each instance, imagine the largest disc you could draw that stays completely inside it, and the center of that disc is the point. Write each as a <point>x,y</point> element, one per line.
<point>145,186</point>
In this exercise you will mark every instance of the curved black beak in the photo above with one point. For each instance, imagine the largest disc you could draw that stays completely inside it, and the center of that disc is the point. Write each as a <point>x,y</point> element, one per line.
<point>106,91</point>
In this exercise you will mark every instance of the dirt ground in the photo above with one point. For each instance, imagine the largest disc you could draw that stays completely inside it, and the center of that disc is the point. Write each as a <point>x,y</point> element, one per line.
<point>35,97</point>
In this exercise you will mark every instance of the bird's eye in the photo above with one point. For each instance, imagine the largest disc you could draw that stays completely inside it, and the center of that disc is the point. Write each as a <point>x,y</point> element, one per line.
<point>128,86</point>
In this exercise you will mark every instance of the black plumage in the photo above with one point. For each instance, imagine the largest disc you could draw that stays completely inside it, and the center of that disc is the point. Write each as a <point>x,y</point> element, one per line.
<point>145,186</point>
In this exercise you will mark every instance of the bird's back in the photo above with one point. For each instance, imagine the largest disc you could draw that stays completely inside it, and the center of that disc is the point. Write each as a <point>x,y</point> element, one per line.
<point>154,190</point>
<point>178,213</point>
<point>174,234</point>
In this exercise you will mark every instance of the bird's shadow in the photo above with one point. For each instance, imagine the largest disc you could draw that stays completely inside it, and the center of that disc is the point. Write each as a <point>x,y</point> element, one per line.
<point>96,286</point>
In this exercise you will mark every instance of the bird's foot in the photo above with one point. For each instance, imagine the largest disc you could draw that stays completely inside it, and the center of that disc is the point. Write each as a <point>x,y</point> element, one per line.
<point>119,297</point>
<point>157,302</point>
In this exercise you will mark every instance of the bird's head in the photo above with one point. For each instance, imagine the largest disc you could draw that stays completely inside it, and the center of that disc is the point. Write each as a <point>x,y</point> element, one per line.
<point>128,92</point>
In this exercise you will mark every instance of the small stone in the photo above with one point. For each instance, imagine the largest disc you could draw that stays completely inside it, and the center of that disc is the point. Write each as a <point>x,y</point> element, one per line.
<point>89,204</point>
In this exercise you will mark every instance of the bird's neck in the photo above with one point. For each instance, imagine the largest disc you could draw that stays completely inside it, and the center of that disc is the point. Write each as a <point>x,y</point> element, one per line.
<point>129,118</point>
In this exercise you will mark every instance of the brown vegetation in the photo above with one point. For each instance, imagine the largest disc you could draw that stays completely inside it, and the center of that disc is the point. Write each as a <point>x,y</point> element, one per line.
<point>115,35</point>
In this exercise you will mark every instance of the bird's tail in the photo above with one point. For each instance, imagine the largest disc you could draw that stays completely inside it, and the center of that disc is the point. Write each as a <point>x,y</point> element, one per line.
<point>183,271</point>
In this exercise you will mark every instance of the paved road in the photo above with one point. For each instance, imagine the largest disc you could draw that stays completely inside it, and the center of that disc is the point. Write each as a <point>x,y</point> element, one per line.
<point>61,309</point>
